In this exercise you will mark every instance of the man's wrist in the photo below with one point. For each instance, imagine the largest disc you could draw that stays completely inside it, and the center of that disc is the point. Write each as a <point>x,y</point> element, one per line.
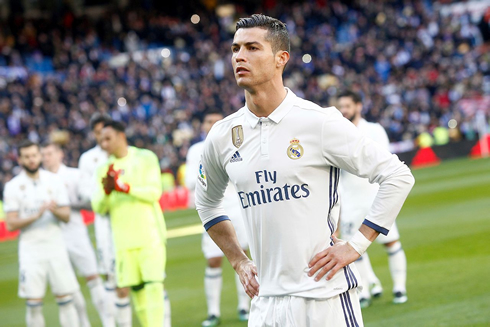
<point>359,242</point>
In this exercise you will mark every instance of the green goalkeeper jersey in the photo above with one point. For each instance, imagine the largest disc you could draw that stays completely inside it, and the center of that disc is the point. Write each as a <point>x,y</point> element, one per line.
<point>136,218</point>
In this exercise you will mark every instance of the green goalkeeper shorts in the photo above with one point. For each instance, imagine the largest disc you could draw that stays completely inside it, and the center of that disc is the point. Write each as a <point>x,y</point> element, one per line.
<point>138,266</point>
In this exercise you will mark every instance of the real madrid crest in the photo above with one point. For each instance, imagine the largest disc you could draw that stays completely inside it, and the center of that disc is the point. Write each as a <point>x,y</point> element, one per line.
<point>295,150</point>
<point>237,136</point>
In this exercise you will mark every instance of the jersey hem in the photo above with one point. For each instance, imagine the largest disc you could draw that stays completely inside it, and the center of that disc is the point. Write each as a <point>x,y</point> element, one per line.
<point>377,228</point>
<point>214,221</point>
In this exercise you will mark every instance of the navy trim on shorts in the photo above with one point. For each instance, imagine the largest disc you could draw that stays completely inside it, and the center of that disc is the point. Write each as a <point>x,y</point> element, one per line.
<point>65,303</point>
<point>377,228</point>
<point>213,222</point>
<point>32,305</point>
<point>351,320</point>
<point>343,309</point>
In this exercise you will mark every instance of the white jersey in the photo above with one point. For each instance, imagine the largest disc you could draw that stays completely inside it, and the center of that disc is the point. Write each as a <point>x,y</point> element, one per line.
<point>43,238</point>
<point>230,200</point>
<point>88,163</point>
<point>285,168</point>
<point>357,194</point>
<point>231,203</point>
<point>72,178</point>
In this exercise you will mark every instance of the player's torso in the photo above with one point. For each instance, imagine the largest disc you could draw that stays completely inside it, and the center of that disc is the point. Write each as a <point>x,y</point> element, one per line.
<point>93,158</point>
<point>134,222</point>
<point>44,235</point>
<point>357,190</point>
<point>285,189</point>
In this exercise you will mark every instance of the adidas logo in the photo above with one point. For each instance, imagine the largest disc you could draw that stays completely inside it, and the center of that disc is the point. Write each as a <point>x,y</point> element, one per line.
<point>236,157</point>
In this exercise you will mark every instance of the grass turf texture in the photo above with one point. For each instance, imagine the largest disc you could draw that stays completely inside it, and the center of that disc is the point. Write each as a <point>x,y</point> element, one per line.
<point>444,226</point>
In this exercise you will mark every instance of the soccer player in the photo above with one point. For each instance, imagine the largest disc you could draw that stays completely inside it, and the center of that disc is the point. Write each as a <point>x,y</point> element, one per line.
<point>34,202</point>
<point>129,190</point>
<point>77,240</point>
<point>88,163</point>
<point>292,153</point>
<point>357,196</point>
<point>213,275</point>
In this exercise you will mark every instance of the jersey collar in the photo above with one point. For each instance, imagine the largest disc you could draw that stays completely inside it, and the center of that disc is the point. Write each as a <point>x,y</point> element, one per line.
<point>277,115</point>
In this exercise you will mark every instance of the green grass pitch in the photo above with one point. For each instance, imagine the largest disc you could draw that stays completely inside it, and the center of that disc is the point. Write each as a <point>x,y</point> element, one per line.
<point>445,231</point>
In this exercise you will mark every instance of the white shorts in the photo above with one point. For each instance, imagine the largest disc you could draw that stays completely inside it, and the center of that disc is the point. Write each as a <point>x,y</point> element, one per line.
<point>211,250</point>
<point>348,229</point>
<point>79,247</point>
<point>34,276</point>
<point>292,311</point>
<point>105,246</point>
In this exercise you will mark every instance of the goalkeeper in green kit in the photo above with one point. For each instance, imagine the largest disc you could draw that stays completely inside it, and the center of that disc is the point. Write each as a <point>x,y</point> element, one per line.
<point>129,190</point>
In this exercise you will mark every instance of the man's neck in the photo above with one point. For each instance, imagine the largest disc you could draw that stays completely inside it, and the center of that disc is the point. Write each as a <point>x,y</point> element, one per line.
<point>264,101</point>
<point>55,168</point>
<point>122,152</point>
<point>34,176</point>
<point>356,120</point>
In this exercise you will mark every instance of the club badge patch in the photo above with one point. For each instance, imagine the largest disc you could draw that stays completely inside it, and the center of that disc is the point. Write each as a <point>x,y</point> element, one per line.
<point>237,136</point>
<point>201,177</point>
<point>295,150</point>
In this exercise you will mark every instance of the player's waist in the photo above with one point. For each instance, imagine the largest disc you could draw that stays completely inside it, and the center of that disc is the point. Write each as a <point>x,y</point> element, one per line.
<point>304,286</point>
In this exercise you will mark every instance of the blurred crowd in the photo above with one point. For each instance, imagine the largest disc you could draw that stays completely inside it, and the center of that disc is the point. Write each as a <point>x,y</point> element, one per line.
<point>411,65</point>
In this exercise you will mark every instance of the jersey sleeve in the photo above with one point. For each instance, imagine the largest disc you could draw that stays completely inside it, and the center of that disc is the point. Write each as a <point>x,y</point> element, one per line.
<point>61,194</point>
<point>211,183</point>
<point>86,185</point>
<point>382,137</point>
<point>100,200</point>
<point>192,168</point>
<point>11,201</point>
<point>343,146</point>
<point>149,188</point>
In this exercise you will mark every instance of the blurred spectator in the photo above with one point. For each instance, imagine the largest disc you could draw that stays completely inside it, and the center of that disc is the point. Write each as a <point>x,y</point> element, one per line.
<point>411,64</point>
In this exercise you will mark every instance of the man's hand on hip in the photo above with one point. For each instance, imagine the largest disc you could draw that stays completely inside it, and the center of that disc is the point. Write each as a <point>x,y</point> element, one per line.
<point>332,259</point>
<point>247,271</point>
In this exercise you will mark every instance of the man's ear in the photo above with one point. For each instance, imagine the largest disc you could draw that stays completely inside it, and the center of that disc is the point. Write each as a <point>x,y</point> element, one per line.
<point>283,58</point>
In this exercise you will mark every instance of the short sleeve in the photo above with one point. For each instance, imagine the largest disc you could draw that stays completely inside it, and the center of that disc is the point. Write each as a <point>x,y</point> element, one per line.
<point>11,201</point>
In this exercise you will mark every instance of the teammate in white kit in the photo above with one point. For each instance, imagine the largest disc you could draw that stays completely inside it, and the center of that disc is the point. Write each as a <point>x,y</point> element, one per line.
<point>88,163</point>
<point>213,275</point>
<point>35,201</point>
<point>356,197</point>
<point>292,152</point>
<point>77,240</point>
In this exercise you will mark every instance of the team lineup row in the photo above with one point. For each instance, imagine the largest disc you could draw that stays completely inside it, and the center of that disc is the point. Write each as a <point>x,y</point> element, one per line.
<point>299,265</point>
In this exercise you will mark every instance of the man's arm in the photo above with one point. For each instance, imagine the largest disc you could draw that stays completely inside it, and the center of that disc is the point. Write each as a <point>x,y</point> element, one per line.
<point>346,148</point>
<point>211,184</point>
<point>223,234</point>
<point>191,167</point>
<point>14,222</point>
<point>150,187</point>
<point>99,199</point>
<point>86,185</point>
<point>62,212</point>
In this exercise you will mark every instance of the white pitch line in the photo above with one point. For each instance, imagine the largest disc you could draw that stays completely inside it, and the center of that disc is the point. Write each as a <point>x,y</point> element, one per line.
<point>185,231</point>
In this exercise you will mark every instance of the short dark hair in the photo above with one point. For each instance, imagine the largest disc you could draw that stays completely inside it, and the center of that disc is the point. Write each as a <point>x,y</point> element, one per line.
<point>51,143</point>
<point>212,112</point>
<point>98,118</point>
<point>26,144</point>
<point>356,97</point>
<point>116,125</point>
<point>277,33</point>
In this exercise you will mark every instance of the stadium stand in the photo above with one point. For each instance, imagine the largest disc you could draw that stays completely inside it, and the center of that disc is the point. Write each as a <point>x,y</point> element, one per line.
<point>415,67</point>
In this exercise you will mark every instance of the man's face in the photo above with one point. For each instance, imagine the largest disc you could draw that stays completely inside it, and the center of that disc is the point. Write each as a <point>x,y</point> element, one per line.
<point>30,159</point>
<point>349,108</point>
<point>98,132</point>
<point>209,121</point>
<point>52,157</point>
<point>253,61</point>
<point>110,139</point>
